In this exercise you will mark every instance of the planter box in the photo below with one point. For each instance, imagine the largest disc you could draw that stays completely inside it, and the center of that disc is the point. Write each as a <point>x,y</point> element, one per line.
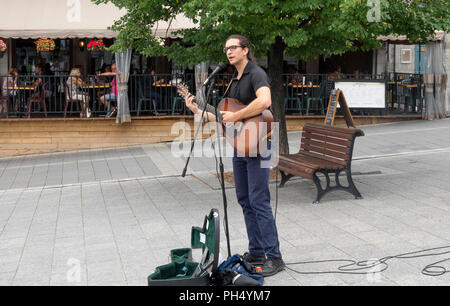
<point>96,53</point>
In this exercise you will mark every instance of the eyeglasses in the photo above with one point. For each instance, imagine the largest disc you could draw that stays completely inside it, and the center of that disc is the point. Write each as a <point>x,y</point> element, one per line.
<point>232,48</point>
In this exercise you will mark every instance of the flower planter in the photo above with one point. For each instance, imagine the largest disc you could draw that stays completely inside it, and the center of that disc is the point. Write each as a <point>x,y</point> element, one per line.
<point>96,53</point>
<point>46,54</point>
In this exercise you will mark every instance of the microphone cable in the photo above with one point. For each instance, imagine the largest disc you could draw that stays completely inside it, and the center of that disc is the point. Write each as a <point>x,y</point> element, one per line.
<point>358,267</point>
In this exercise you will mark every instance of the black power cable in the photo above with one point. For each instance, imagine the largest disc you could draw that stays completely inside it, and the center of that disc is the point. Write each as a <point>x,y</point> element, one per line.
<point>357,267</point>
<point>354,267</point>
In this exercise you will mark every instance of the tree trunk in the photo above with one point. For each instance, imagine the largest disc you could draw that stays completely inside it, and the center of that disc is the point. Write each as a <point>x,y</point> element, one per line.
<point>275,71</point>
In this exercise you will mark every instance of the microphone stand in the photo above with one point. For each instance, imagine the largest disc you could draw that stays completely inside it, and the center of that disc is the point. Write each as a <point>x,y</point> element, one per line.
<point>222,185</point>
<point>222,173</point>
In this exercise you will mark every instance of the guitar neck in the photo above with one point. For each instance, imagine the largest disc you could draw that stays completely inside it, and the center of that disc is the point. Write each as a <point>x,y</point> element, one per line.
<point>209,108</point>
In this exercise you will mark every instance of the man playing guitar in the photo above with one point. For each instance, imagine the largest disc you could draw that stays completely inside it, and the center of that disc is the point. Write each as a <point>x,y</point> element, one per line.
<point>250,85</point>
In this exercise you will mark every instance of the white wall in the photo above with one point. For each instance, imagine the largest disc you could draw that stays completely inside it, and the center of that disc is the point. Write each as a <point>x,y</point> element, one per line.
<point>396,50</point>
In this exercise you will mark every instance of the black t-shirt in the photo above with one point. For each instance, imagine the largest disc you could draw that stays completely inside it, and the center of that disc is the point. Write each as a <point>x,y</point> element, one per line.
<point>244,90</point>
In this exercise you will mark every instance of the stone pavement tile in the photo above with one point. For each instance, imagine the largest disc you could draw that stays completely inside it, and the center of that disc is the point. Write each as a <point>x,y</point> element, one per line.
<point>352,225</point>
<point>321,228</point>
<point>22,177</point>
<point>101,170</point>
<point>371,279</point>
<point>156,163</point>
<point>139,282</point>
<point>32,273</point>
<point>54,175</point>
<point>6,278</point>
<point>39,176</point>
<point>133,168</point>
<point>85,172</point>
<point>376,237</point>
<point>275,281</point>
<point>316,279</point>
<point>64,258</point>
<point>72,274</point>
<point>9,261</point>
<point>106,271</point>
<point>116,169</point>
<point>422,239</point>
<point>70,173</point>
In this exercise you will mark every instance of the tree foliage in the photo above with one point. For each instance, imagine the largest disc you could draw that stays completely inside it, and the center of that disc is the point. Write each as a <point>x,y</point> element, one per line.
<point>309,28</point>
<point>301,28</point>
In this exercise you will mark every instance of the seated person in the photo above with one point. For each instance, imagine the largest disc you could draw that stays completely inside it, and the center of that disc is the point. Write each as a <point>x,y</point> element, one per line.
<point>106,99</point>
<point>39,72</point>
<point>74,82</point>
<point>294,76</point>
<point>10,81</point>
<point>149,90</point>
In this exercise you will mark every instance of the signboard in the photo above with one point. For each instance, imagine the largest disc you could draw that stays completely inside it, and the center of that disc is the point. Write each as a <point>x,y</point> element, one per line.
<point>363,94</point>
<point>337,98</point>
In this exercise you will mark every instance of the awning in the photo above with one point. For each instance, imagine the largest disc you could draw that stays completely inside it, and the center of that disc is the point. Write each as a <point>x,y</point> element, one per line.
<point>402,40</point>
<point>25,19</point>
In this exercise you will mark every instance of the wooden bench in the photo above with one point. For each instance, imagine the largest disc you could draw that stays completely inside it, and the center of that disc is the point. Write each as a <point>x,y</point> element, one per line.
<point>324,149</point>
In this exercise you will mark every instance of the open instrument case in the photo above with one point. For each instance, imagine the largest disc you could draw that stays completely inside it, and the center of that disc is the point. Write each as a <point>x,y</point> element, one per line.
<point>183,271</point>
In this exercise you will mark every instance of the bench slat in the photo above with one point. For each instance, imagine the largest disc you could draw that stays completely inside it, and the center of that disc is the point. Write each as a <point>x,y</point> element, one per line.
<point>293,168</point>
<point>325,144</point>
<point>304,165</point>
<point>325,153</point>
<point>318,131</point>
<point>315,162</point>
<point>337,141</point>
<point>334,129</point>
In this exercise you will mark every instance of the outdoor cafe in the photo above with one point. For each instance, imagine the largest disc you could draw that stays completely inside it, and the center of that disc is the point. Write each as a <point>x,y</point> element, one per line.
<point>44,95</point>
<point>42,49</point>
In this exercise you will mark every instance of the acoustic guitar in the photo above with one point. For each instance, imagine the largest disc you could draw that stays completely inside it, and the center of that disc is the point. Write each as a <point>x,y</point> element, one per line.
<point>245,136</point>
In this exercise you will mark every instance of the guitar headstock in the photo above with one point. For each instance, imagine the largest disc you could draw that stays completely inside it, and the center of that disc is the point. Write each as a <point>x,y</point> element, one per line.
<point>182,89</point>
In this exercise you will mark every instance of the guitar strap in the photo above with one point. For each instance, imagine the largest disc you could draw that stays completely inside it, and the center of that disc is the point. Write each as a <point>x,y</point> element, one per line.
<point>228,88</point>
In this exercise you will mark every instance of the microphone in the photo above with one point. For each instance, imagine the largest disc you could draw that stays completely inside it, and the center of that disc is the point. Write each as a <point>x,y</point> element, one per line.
<point>213,74</point>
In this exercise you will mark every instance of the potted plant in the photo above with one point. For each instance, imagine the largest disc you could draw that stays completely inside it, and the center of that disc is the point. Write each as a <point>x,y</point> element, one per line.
<point>45,47</point>
<point>2,48</point>
<point>96,47</point>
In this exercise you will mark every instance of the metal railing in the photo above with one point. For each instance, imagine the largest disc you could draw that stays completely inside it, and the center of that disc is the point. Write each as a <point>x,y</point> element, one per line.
<point>155,95</point>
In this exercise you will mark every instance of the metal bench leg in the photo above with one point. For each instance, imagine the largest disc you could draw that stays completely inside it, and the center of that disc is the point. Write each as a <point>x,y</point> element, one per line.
<point>320,191</point>
<point>351,186</point>
<point>284,178</point>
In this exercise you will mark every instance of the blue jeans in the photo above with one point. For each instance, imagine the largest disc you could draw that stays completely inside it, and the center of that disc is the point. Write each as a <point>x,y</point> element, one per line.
<point>253,194</point>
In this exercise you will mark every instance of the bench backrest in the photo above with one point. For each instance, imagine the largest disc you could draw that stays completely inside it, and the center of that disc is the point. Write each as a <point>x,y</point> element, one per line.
<point>334,144</point>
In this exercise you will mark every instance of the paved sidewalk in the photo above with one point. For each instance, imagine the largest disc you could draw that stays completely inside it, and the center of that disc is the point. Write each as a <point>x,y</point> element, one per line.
<point>109,217</point>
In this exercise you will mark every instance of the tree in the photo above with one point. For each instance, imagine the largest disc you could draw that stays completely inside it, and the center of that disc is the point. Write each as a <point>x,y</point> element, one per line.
<point>302,28</point>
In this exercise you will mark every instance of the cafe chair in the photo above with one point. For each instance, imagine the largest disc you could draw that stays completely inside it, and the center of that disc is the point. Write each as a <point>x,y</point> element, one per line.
<point>291,95</point>
<point>319,95</point>
<point>406,95</point>
<point>144,99</point>
<point>4,101</point>
<point>177,99</point>
<point>71,101</point>
<point>38,97</point>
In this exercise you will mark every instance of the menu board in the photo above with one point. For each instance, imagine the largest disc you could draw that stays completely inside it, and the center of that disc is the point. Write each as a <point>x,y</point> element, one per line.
<point>363,94</point>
